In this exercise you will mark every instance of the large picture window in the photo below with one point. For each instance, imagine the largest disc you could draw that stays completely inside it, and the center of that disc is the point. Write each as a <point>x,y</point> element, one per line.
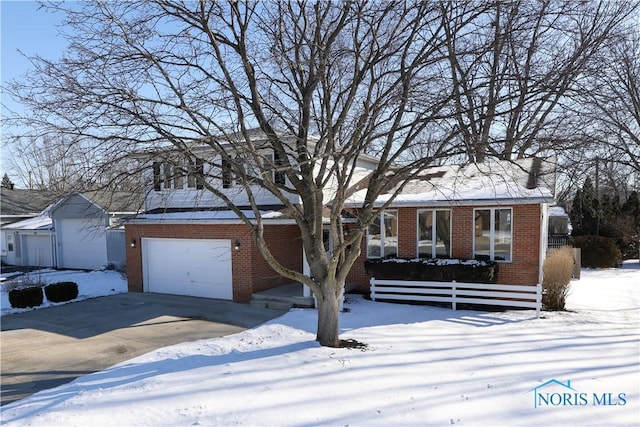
<point>493,234</point>
<point>382,235</point>
<point>434,233</point>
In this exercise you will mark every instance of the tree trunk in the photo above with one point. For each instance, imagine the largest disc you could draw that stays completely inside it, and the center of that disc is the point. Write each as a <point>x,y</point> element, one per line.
<point>328,313</point>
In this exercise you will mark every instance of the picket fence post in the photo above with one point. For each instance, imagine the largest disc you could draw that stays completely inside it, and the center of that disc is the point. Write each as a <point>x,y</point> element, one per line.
<point>453,296</point>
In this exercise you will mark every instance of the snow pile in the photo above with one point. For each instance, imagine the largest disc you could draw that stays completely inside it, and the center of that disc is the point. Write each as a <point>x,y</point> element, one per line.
<point>422,366</point>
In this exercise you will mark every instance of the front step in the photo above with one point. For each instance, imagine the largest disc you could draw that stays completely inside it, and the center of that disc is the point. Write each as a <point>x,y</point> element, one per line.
<point>273,305</point>
<point>281,302</point>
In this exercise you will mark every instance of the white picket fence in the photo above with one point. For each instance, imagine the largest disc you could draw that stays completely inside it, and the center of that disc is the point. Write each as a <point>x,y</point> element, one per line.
<point>458,293</point>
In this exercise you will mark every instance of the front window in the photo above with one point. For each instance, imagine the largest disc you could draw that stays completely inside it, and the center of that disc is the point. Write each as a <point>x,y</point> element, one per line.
<point>434,233</point>
<point>382,235</point>
<point>493,234</point>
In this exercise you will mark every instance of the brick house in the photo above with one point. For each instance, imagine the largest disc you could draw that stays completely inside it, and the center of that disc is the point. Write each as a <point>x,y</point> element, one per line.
<point>188,243</point>
<point>495,211</point>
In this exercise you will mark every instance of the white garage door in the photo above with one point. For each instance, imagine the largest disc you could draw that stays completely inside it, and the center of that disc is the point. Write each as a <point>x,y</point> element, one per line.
<point>83,243</point>
<point>39,253</point>
<point>195,267</point>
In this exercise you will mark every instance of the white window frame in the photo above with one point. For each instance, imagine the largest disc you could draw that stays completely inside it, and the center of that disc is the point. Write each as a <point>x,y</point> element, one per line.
<point>492,235</point>
<point>434,233</point>
<point>381,216</point>
<point>278,178</point>
<point>172,174</point>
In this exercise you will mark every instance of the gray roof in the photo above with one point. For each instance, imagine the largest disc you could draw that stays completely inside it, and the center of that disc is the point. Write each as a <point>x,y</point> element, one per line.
<point>116,201</point>
<point>22,202</point>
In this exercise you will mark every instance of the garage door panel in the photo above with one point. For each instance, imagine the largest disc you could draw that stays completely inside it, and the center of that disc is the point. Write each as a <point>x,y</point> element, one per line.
<point>83,243</point>
<point>39,252</point>
<point>195,267</point>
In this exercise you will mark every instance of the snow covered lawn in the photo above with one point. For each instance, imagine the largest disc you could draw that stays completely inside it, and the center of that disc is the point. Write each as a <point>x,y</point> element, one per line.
<point>90,285</point>
<point>423,366</point>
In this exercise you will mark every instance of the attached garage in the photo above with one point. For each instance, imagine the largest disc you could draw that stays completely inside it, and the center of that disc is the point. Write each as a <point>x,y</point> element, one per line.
<point>206,256</point>
<point>195,267</point>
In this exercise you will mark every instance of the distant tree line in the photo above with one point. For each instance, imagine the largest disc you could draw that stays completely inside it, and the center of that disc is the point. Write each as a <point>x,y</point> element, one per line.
<point>608,215</point>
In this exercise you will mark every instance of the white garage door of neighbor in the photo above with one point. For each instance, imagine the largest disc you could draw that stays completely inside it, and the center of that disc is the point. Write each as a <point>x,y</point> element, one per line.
<point>39,252</point>
<point>194,267</point>
<point>83,243</point>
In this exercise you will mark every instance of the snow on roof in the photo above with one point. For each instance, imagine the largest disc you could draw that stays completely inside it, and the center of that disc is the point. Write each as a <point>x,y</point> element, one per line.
<point>40,222</point>
<point>558,211</point>
<point>218,215</point>
<point>473,183</point>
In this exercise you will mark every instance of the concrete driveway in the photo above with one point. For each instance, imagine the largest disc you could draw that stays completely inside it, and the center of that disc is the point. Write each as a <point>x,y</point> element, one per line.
<point>45,348</point>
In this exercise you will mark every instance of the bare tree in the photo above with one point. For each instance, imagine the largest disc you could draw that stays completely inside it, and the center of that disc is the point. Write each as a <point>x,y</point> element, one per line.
<point>64,165</point>
<point>515,67</point>
<point>611,101</point>
<point>606,103</point>
<point>325,83</point>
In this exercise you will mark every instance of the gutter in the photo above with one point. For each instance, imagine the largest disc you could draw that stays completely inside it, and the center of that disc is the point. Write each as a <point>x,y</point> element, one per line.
<point>469,202</point>
<point>206,221</point>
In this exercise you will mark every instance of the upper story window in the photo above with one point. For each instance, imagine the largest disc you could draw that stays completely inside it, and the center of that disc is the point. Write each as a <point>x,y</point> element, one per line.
<point>434,233</point>
<point>382,235</point>
<point>195,174</point>
<point>175,174</point>
<point>227,174</point>
<point>278,177</point>
<point>181,173</point>
<point>493,234</point>
<point>248,170</point>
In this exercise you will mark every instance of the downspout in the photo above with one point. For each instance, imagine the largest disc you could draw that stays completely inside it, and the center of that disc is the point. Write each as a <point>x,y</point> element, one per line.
<point>544,231</point>
<point>54,252</point>
<point>58,251</point>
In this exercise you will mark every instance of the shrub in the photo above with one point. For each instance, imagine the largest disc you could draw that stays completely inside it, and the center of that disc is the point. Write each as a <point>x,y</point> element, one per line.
<point>437,270</point>
<point>557,270</point>
<point>26,297</point>
<point>597,251</point>
<point>61,291</point>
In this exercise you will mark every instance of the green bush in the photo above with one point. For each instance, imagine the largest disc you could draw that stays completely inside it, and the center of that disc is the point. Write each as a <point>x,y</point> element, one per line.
<point>26,297</point>
<point>597,251</point>
<point>433,269</point>
<point>557,271</point>
<point>61,291</point>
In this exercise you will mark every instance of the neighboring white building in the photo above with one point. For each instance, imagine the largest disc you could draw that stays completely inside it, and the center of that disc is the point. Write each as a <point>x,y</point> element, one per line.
<point>76,232</point>
<point>30,242</point>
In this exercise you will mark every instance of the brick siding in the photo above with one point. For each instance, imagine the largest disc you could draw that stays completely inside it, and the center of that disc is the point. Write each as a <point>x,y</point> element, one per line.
<point>522,270</point>
<point>250,271</point>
